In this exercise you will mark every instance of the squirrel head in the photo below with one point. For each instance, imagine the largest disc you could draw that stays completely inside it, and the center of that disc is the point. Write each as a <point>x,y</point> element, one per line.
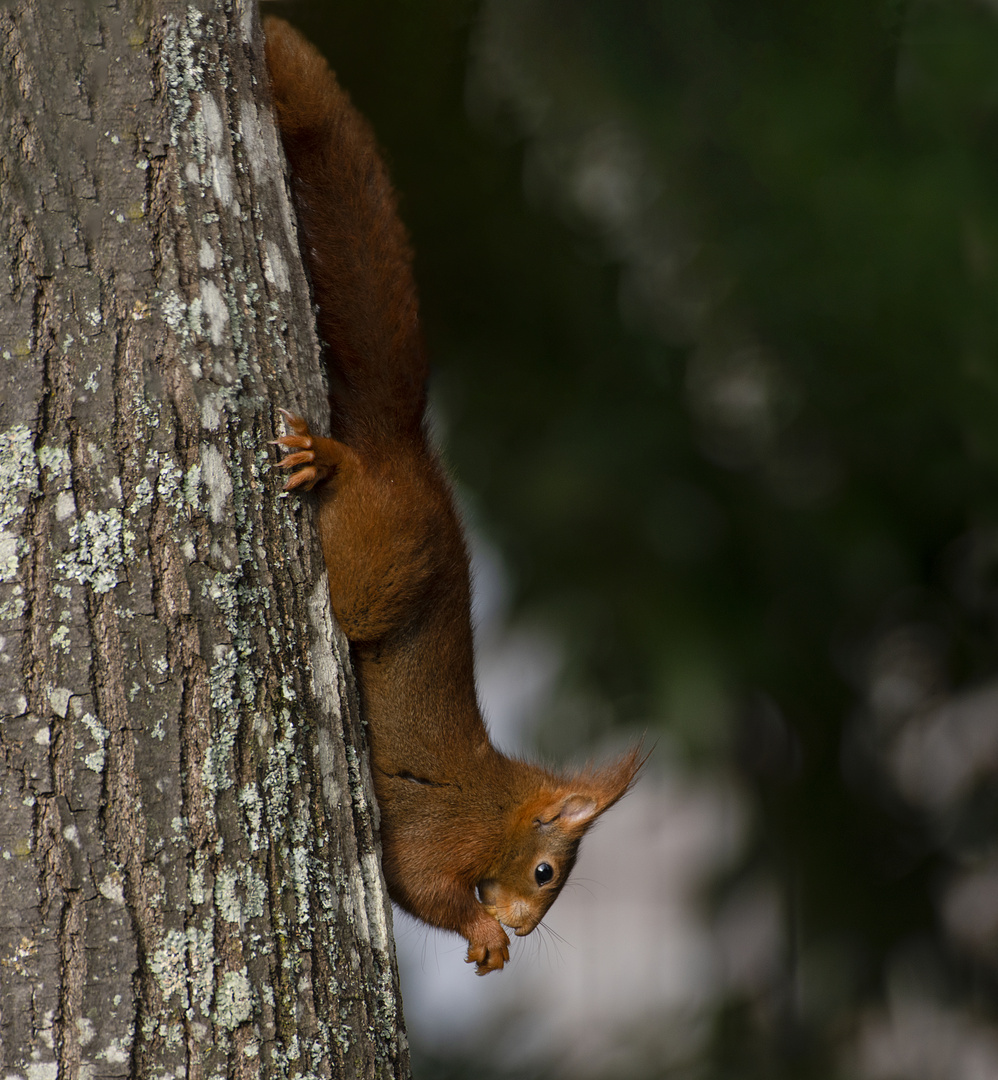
<point>543,842</point>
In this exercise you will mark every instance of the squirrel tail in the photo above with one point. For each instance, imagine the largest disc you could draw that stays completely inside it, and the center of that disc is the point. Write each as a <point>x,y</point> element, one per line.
<point>356,248</point>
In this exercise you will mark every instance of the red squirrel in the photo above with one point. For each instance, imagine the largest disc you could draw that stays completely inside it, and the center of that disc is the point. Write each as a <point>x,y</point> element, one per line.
<point>472,840</point>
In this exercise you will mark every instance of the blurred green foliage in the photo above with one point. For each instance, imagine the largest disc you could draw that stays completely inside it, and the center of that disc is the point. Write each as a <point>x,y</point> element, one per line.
<point>711,293</point>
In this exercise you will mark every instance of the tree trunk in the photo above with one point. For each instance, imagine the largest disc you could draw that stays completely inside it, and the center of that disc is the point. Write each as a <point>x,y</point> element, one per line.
<point>189,873</point>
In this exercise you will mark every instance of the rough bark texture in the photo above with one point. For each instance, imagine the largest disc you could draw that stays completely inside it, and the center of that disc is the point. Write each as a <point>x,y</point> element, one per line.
<point>189,880</point>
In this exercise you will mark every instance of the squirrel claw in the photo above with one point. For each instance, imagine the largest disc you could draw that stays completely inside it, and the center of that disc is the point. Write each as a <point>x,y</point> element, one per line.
<point>306,452</point>
<point>305,478</point>
<point>303,457</point>
<point>297,423</point>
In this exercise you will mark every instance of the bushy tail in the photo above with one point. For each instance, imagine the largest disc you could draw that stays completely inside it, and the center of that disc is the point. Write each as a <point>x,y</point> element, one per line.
<point>355,246</point>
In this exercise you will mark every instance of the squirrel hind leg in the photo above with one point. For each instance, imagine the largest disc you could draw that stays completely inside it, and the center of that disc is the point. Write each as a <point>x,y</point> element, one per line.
<point>313,457</point>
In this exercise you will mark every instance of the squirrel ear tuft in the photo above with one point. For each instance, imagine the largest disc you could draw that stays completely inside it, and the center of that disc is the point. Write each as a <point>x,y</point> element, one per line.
<point>612,782</point>
<point>583,797</point>
<point>624,772</point>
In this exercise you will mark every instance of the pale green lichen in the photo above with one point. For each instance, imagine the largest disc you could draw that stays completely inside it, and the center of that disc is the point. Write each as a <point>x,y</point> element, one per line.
<point>169,482</point>
<point>174,311</point>
<point>192,486</point>
<point>149,410</point>
<point>301,881</point>
<point>234,1000</point>
<point>252,807</point>
<point>13,608</point>
<point>55,461</point>
<point>170,1032</point>
<point>98,550</point>
<point>222,685</point>
<point>95,761</point>
<point>167,965</point>
<point>184,71</point>
<point>183,966</point>
<point>255,897</point>
<point>12,549</point>
<point>201,963</point>
<point>142,498</point>
<point>261,462</point>
<point>18,471</point>
<point>196,888</point>
<point>99,733</point>
<point>280,776</point>
<point>194,323</point>
<point>227,901</point>
<point>223,591</point>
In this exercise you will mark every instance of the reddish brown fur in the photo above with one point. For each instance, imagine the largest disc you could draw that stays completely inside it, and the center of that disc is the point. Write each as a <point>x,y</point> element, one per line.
<point>458,818</point>
<point>356,246</point>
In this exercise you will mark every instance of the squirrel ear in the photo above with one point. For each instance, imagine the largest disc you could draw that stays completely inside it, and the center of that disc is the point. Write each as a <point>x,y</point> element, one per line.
<point>594,791</point>
<point>577,810</point>
<point>567,812</point>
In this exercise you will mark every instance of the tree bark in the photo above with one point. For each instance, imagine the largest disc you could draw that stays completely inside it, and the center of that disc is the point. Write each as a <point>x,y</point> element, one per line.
<point>189,872</point>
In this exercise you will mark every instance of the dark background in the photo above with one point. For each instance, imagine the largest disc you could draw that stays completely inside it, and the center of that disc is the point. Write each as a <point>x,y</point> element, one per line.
<point>710,290</point>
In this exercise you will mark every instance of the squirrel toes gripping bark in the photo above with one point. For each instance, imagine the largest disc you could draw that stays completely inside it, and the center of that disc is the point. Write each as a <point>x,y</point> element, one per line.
<point>472,839</point>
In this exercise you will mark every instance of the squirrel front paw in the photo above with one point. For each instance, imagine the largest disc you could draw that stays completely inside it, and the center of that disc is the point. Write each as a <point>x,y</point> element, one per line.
<point>315,459</point>
<point>488,947</point>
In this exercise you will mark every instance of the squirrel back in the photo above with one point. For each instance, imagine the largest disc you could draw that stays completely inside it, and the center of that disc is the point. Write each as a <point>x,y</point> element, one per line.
<point>356,247</point>
<point>471,839</point>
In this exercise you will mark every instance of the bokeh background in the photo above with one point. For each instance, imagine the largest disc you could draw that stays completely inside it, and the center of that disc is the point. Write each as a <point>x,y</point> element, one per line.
<point>711,291</point>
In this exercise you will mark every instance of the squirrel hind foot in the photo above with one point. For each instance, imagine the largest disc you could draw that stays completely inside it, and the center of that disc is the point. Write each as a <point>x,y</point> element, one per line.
<point>314,458</point>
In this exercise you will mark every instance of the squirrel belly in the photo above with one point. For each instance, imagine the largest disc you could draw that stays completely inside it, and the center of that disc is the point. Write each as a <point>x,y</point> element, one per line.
<point>472,840</point>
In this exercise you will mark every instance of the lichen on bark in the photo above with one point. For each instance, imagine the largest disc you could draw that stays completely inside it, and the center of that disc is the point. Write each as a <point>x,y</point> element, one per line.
<point>187,828</point>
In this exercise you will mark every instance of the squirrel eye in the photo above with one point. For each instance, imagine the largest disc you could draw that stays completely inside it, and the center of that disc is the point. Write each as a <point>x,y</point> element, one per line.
<point>543,873</point>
